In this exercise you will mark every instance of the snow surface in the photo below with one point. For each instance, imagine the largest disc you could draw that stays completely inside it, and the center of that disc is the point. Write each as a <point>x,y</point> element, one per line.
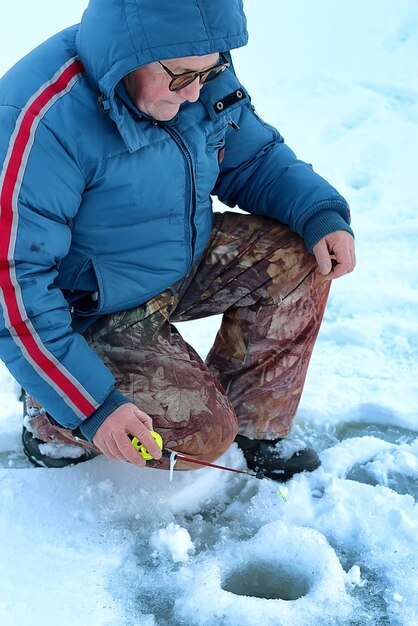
<point>104,543</point>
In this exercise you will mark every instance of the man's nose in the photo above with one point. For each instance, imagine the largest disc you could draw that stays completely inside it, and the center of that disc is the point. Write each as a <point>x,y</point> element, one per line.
<point>192,91</point>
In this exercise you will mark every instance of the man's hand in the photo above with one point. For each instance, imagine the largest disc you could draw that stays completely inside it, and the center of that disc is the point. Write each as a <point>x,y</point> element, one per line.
<point>335,254</point>
<point>112,436</point>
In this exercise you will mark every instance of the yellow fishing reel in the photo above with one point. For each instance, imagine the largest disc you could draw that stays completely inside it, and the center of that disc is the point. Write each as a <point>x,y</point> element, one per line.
<point>142,449</point>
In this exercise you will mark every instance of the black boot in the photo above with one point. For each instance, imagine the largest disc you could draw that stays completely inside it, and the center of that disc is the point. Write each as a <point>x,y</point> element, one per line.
<point>71,454</point>
<point>265,456</point>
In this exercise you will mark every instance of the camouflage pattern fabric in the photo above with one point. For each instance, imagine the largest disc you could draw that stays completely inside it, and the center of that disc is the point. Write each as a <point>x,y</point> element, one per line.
<point>45,428</point>
<point>259,275</point>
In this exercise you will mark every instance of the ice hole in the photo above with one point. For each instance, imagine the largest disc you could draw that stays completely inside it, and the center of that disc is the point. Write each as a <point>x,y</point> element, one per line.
<point>388,432</point>
<point>267,580</point>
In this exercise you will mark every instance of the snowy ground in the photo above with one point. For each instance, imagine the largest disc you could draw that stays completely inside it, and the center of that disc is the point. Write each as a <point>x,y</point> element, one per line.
<point>107,544</point>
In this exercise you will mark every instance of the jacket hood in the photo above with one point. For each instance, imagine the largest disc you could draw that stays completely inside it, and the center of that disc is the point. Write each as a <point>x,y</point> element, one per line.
<point>118,36</point>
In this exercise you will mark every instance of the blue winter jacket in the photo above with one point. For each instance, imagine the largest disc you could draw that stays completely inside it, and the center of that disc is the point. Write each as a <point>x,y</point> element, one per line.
<point>102,208</point>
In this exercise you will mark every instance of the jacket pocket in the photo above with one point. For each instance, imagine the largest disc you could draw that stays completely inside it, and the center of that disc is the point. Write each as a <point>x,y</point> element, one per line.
<point>216,139</point>
<point>87,294</point>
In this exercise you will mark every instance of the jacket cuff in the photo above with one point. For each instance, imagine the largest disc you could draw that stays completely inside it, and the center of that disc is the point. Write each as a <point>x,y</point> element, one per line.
<point>90,425</point>
<point>321,224</point>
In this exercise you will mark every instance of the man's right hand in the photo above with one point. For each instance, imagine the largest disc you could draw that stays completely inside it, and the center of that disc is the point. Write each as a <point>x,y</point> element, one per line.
<point>112,436</point>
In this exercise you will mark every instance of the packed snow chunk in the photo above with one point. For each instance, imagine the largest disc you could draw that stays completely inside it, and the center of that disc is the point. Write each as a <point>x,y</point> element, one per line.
<point>61,450</point>
<point>287,574</point>
<point>173,540</point>
<point>354,576</point>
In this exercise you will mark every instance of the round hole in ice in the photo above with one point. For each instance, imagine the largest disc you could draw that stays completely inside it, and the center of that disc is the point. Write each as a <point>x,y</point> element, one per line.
<point>283,570</point>
<point>267,580</point>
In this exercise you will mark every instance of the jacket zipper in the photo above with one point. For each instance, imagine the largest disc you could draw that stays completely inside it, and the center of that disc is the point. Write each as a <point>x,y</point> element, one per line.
<point>191,192</point>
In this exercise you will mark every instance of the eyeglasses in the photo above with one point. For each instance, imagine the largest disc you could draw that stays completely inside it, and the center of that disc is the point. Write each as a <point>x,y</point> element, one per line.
<point>180,81</point>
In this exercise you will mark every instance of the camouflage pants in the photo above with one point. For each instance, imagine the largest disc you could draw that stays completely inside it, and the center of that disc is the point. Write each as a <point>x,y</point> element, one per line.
<point>260,276</point>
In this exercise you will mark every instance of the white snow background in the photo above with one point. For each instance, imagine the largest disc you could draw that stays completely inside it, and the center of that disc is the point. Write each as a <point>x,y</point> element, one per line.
<point>104,543</point>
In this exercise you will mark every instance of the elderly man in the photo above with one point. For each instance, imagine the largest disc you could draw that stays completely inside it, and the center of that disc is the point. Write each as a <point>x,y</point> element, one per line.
<point>114,135</point>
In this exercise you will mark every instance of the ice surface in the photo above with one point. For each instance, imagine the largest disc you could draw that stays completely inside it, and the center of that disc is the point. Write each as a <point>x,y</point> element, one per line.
<point>107,544</point>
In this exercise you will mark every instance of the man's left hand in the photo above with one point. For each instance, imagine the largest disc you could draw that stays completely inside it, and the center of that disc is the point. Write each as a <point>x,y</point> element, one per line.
<point>335,254</point>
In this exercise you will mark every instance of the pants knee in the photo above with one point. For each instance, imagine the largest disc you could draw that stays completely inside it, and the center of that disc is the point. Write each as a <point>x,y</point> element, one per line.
<point>210,442</point>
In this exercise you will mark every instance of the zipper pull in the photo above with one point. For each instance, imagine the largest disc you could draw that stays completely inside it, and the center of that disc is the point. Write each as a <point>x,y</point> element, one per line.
<point>103,104</point>
<point>234,125</point>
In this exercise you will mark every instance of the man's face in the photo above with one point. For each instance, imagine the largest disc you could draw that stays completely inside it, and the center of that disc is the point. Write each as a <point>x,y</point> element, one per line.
<point>148,85</point>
